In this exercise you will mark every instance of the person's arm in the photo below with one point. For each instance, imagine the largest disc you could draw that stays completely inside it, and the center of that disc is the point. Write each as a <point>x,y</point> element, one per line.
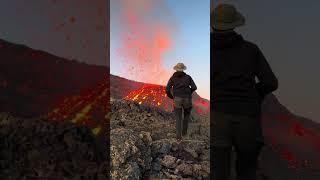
<point>192,85</point>
<point>268,82</point>
<point>168,88</point>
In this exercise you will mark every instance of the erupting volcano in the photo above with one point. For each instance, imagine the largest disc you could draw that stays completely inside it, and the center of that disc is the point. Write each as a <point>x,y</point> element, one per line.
<point>155,96</point>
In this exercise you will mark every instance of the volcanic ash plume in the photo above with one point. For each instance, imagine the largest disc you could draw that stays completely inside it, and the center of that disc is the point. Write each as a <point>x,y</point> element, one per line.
<point>146,34</point>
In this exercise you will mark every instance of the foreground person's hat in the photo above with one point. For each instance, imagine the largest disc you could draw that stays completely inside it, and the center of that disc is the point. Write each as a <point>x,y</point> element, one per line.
<point>226,17</point>
<point>180,67</point>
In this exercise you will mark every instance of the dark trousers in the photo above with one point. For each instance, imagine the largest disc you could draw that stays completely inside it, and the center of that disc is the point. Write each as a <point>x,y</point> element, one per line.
<point>244,133</point>
<point>182,111</point>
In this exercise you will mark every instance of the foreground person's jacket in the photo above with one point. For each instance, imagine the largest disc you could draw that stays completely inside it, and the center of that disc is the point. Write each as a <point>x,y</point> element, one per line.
<point>182,84</point>
<point>234,65</point>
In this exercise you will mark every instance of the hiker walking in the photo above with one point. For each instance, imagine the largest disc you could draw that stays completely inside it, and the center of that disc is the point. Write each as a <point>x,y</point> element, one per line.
<point>237,97</point>
<point>180,88</point>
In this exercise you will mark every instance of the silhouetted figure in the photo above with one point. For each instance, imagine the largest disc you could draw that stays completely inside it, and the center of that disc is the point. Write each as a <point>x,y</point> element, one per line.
<point>180,88</point>
<point>237,97</point>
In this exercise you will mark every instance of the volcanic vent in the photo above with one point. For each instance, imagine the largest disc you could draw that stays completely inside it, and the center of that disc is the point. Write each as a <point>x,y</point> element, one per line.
<point>152,95</point>
<point>155,96</point>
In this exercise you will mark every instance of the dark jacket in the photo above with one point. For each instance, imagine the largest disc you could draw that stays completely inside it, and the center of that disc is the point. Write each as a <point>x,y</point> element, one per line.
<point>234,65</point>
<point>182,84</point>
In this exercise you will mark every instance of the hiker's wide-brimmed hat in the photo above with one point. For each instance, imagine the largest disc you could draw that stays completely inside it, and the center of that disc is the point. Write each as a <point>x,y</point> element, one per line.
<point>226,17</point>
<point>180,67</point>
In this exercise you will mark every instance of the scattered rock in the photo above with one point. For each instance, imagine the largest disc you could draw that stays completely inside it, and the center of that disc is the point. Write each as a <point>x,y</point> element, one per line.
<point>39,149</point>
<point>143,145</point>
<point>169,161</point>
<point>130,155</point>
<point>185,169</point>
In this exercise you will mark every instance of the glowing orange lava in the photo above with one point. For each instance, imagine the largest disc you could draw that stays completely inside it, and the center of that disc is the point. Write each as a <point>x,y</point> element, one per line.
<point>155,96</point>
<point>89,108</point>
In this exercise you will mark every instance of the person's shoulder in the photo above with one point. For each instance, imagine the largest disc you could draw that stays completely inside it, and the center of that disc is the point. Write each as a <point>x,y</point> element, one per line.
<point>188,76</point>
<point>250,44</point>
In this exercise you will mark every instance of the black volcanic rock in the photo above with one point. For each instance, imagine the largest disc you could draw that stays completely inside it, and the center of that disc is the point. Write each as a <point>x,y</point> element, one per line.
<point>287,136</point>
<point>143,144</point>
<point>130,155</point>
<point>37,149</point>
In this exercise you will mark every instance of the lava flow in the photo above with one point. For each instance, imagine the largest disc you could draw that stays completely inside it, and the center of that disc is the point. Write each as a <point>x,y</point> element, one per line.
<point>155,95</point>
<point>89,108</point>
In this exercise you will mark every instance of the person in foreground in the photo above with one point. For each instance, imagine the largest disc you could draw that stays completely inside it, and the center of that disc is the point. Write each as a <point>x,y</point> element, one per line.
<point>180,88</point>
<point>237,97</point>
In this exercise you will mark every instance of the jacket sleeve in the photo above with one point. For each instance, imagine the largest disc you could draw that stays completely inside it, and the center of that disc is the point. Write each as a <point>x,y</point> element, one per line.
<point>268,82</point>
<point>192,85</point>
<point>168,88</point>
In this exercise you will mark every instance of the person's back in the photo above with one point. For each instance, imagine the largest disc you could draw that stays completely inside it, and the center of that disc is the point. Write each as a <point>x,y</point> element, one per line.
<point>181,84</point>
<point>236,107</point>
<point>235,65</point>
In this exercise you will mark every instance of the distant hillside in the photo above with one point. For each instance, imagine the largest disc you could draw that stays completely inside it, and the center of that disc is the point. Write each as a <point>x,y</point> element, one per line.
<point>292,148</point>
<point>32,81</point>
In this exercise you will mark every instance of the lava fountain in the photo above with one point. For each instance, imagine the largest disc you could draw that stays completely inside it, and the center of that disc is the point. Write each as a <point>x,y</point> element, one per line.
<point>146,37</point>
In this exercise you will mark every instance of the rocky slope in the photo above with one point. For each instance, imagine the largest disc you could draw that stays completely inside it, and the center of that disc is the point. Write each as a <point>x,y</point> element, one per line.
<point>37,149</point>
<point>292,142</point>
<point>34,82</point>
<point>143,144</point>
<point>57,127</point>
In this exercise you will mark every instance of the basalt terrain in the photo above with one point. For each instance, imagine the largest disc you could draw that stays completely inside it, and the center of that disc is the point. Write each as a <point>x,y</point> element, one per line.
<point>33,148</point>
<point>291,148</point>
<point>143,144</point>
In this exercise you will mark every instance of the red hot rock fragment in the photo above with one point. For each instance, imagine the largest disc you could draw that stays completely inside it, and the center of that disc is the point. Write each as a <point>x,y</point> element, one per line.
<point>72,19</point>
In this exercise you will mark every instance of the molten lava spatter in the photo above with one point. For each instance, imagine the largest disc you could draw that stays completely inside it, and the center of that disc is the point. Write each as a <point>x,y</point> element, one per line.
<point>144,37</point>
<point>89,108</point>
<point>155,95</point>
